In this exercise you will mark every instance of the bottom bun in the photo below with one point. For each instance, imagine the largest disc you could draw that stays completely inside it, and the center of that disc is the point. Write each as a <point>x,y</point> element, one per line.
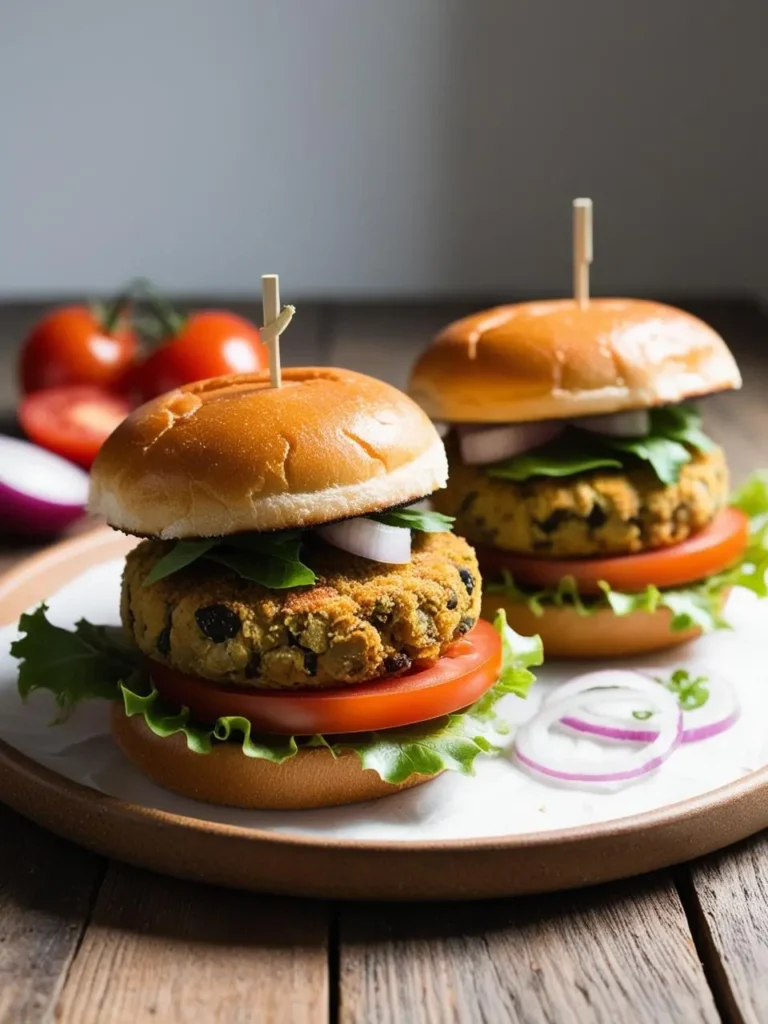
<point>313,778</point>
<point>602,634</point>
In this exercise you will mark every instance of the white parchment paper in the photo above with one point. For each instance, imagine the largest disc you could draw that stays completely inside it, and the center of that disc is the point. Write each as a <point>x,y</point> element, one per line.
<point>499,801</point>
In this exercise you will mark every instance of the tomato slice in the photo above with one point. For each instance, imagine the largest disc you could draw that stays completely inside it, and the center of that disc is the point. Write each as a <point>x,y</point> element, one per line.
<point>469,668</point>
<point>712,549</point>
<point>73,422</point>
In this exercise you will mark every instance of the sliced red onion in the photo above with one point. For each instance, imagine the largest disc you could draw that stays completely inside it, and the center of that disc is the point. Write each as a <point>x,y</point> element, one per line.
<point>633,423</point>
<point>534,741</point>
<point>481,444</point>
<point>369,539</point>
<point>40,493</point>
<point>615,717</point>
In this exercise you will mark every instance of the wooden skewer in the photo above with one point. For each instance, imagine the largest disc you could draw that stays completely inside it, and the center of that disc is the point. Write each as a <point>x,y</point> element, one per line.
<point>582,249</point>
<point>275,322</point>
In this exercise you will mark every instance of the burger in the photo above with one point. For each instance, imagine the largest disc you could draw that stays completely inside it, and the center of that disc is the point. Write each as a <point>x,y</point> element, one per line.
<point>580,470</point>
<point>296,631</point>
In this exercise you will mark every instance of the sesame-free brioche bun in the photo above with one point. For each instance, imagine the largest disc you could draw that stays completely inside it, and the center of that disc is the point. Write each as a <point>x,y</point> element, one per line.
<point>313,778</point>
<point>555,360</point>
<point>233,454</point>
<point>602,634</point>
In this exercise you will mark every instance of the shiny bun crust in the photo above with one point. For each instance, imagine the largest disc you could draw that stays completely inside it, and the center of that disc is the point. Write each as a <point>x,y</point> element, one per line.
<point>313,778</point>
<point>233,454</point>
<point>566,634</point>
<point>553,360</point>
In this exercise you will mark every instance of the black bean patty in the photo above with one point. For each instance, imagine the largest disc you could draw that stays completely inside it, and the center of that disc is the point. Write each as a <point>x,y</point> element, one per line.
<point>603,512</point>
<point>361,620</point>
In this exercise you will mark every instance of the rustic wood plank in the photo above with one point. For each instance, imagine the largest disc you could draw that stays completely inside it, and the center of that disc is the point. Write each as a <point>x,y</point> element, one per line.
<point>728,906</point>
<point>619,953</point>
<point>159,949</point>
<point>46,890</point>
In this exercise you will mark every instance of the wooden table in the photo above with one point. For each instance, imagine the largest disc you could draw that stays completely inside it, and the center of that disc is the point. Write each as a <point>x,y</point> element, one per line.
<point>85,940</point>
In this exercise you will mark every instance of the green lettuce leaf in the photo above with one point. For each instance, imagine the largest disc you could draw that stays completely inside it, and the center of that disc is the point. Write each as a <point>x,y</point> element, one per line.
<point>665,456</point>
<point>422,520</point>
<point>699,604</point>
<point>675,431</point>
<point>200,739</point>
<point>681,423</point>
<point>554,460</point>
<point>92,662</point>
<point>271,559</point>
<point>182,554</point>
<point>74,665</point>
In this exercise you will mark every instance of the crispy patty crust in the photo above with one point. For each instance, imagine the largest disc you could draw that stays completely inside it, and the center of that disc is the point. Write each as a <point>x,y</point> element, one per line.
<point>603,512</point>
<point>361,620</point>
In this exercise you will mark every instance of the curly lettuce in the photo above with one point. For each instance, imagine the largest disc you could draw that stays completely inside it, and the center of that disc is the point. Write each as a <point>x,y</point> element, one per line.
<point>92,662</point>
<point>699,604</point>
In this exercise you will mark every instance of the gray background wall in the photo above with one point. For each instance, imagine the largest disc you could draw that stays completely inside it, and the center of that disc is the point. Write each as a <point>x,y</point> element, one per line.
<point>380,147</point>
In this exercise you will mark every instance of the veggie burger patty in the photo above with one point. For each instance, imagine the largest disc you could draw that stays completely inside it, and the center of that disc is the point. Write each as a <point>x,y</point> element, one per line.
<point>603,512</point>
<point>361,620</point>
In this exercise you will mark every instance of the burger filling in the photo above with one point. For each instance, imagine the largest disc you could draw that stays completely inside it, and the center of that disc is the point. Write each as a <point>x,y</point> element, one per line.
<point>581,501</point>
<point>277,642</point>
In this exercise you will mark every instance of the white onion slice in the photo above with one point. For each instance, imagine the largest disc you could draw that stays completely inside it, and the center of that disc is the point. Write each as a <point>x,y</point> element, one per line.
<point>535,751</point>
<point>481,444</point>
<point>610,679</point>
<point>40,493</point>
<point>614,717</point>
<point>633,423</point>
<point>369,539</point>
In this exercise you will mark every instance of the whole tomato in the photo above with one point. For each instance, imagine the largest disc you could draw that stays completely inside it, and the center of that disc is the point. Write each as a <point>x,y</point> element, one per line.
<point>74,345</point>
<point>211,343</point>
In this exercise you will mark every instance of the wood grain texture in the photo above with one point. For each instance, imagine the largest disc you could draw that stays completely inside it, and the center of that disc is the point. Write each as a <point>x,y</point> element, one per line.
<point>729,911</point>
<point>46,891</point>
<point>158,949</point>
<point>618,953</point>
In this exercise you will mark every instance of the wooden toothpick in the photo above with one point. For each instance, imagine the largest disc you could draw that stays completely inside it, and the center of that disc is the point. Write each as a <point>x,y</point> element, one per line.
<point>275,322</point>
<point>582,249</point>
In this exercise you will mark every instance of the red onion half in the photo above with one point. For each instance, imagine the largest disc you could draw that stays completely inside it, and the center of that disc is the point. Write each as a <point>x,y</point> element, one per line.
<point>40,493</point>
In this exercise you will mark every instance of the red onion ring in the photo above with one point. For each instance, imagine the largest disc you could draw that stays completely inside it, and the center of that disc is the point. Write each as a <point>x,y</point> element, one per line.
<point>720,713</point>
<point>534,736</point>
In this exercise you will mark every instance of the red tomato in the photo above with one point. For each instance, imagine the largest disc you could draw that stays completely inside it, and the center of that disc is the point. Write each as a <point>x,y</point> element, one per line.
<point>73,422</point>
<point>70,346</point>
<point>712,549</point>
<point>464,674</point>
<point>208,344</point>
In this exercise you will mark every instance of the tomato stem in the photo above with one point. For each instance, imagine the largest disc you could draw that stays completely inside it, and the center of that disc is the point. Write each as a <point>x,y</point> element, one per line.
<point>170,321</point>
<point>113,313</point>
